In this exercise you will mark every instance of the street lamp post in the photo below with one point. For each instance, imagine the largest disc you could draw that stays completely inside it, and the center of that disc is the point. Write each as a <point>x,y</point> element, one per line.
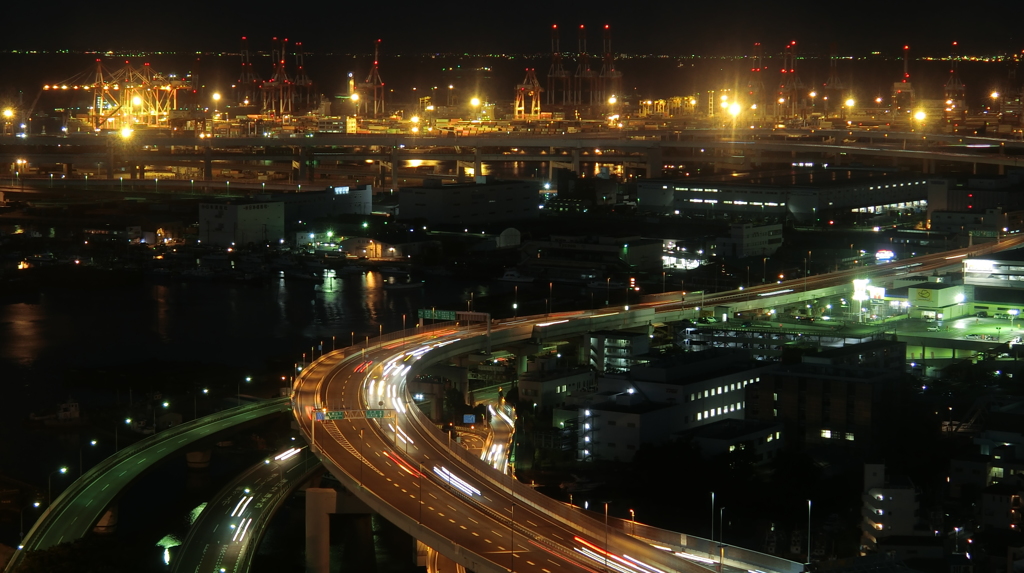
<point>712,516</point>
<point>80,465</point>
<point>21,517</point>
<point>606,535</point>
<point>808,531</point>
<point>248,379</point>
<point>49,484</point>
<point>632,517</point>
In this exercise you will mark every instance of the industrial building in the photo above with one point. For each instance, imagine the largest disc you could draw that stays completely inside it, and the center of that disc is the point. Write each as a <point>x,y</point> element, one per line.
<point>330,202</point>
<point>802,196</point>
<point>241,222</point>
<point>484,202</point>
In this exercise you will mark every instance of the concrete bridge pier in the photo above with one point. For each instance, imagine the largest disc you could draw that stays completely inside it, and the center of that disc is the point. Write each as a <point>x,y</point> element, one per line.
<point>478,163</point>
<point>655,162</point>
<point>319,505</point>
<point>394,168</point>
<point>207,164</point>
<point>576,163</point>
<point>108,521</point>
<point>198,459</point>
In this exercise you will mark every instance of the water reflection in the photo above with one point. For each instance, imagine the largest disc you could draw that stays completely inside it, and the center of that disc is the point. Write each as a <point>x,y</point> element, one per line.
<point>23,329</point>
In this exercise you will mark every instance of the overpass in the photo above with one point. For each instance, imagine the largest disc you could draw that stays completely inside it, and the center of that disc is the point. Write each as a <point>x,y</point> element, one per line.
<point>79,507</point>
<point>454,502</point>
<point>649,149</point>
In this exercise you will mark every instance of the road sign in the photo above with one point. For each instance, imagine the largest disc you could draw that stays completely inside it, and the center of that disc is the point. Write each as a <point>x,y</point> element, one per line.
<point>434,314</point>
<point>354,414</point>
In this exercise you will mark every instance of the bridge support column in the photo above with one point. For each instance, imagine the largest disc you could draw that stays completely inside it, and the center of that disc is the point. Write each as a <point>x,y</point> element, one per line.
<point>394,168</point>
<point>478,163</point>
<point>576,164</point>
<point>655,163</point>
<point>107,522</point>
<point>1002,169</point>
<point>421,554</point>
<point>320,503</point>
<point>198,460</point>
<point>207,164</point>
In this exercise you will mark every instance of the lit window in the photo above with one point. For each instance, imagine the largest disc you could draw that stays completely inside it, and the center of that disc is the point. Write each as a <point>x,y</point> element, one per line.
<point>732,448</point>
<point>849,436</point>
<point>769,438</point>
<point>698,416</point>
<point>826,433</point>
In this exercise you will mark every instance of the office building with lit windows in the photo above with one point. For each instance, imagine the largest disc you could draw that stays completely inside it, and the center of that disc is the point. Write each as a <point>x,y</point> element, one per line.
<point>660,398</point>
<point>819,404</point>
<point>800,195</point>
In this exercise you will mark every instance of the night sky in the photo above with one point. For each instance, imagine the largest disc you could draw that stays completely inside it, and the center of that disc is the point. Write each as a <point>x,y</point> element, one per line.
<point>701,28</point>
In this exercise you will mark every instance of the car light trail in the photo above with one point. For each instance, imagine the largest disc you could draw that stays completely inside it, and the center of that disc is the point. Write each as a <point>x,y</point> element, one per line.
<point>775,292</point>
<point>403,464</point>
<point>287,454</point>
<point>694,557</point>
<point>455,481</point>
<point>554,322</point>
<point>240,531</point>
<point>238,505</point>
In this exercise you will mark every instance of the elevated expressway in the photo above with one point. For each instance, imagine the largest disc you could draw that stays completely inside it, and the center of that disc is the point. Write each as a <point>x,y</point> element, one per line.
<point>79,507</point>
<point>459,505</point>
<point>228,531</point>
<point>650,148</point>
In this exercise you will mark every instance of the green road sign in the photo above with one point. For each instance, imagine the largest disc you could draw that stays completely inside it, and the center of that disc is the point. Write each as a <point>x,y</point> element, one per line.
<point>354,414</point>
<point>434,314</point>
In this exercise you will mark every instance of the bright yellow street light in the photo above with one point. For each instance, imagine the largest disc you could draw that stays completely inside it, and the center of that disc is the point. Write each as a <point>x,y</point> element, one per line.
<point>994,95</point>
<point>354,97</point>
<point>919,116</point>
<point>216,97</point>
<point>8,113</point>
<point>612,100</point>
<point>138,101</point>
<point>415,119</point>
<point>126,132</point>
<point>850,102</point>
<point>474,102</point>
<point>734,109</point>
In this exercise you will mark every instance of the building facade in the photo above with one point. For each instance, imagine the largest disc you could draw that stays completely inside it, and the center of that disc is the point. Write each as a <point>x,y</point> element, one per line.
<point>241,223</point>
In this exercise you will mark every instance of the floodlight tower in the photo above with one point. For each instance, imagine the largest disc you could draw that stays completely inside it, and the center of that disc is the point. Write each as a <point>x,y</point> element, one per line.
<point>585,77</point>
<point>248,81</point>
<point>832,91</point>
<point>611,79</point>
<point>374,85</point>
<point>791,88</point>
<point>755,85</point>
<point>559,79</point>
<point>954,90</point>
<point>903,91</point>
<point>303,84</point>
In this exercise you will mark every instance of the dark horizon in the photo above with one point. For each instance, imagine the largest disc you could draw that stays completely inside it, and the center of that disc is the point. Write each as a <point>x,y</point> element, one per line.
<point>690,30</point>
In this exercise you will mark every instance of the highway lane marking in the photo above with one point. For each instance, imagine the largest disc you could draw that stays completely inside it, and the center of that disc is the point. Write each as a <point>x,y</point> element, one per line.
<point>430,508</point>
<point>453,521</point>
<point>554,563</point>
<point>531,523</point>
<point>531,563</point>
<point>432,495</point>
<point>556,535</point>
<point>106,486</point>
<point>475,534</point>
<point>140,461</point>
<point>487,540</point>
<point>473,520</point>
<point>463,527</point>
<point>545,570</point>
<point>496,533</point>
<point>122,473</point>
<point>452,508</point>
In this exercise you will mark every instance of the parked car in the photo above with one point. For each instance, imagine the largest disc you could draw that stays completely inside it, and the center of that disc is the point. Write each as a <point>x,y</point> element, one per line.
<point>933,328</point>
<point>981,314</point>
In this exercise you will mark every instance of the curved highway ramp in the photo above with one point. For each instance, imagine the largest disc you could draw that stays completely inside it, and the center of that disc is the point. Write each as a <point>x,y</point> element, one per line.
<point>81,505</point>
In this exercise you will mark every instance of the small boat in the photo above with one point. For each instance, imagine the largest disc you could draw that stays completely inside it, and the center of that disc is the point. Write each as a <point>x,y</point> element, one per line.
<point>513,276</point>
<point>393,284</point>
